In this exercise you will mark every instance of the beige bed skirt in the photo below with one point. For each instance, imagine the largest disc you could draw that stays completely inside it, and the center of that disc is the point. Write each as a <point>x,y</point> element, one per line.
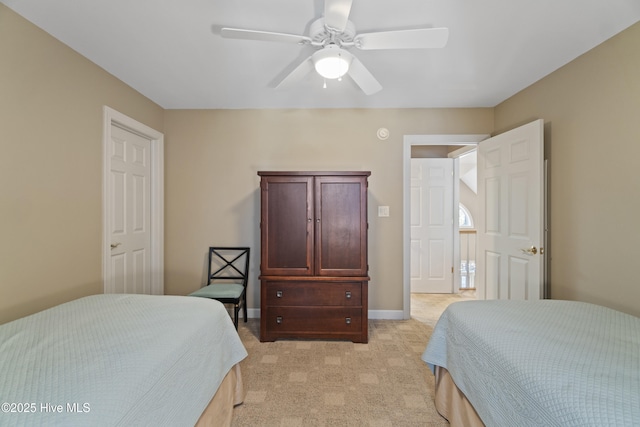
<point>220,409</point>
<point>452,404</point>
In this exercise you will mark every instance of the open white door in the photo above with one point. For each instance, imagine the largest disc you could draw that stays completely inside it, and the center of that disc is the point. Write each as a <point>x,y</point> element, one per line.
<point>432,226</point>
<point>511,202</point>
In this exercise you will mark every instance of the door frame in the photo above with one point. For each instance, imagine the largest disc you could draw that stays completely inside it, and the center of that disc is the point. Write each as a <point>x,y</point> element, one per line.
<point>113,117</point>
<point>408,141</point>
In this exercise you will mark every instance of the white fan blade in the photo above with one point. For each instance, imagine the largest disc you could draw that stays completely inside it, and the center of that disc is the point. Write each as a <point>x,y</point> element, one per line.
<point>237,33</point>
<point>404,39</point>
<point>336,13</point>
<point>297,74</point>
<point>363,77</point>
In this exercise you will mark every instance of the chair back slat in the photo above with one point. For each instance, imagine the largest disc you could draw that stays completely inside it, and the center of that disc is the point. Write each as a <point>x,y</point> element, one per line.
<point>230,264</point>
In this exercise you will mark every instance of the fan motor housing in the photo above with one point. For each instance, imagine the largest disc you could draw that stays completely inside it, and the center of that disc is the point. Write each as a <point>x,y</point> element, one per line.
<point>321,35</point>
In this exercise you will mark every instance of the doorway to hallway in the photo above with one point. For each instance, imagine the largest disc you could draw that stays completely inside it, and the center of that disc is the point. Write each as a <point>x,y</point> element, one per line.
<point>446,141</point>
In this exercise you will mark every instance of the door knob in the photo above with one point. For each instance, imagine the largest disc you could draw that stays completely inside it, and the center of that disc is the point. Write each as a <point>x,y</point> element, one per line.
<point>115,245</point>
<point>530,251</point>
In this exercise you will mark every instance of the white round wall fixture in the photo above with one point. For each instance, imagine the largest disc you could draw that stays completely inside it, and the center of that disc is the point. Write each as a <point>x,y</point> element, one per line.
<point>383,133</point>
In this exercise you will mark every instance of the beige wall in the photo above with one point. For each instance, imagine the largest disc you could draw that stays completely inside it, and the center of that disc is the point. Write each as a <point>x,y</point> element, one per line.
<point>51,101</point>
<point>591,109</point>
<point>212,195</point>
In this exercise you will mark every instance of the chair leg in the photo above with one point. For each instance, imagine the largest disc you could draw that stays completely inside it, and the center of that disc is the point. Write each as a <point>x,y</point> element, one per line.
<point>236,309</point>
<point>244,308</point>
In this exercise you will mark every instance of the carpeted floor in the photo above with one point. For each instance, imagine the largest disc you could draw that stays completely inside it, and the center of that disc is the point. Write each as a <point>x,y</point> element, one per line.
<point>336,383</point>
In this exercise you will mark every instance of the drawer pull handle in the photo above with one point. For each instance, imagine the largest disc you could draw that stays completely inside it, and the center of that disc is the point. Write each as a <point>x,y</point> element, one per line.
<point>348,320</point>
<point>279,320</point>
<point>347,294</point>
<point>279,294</point>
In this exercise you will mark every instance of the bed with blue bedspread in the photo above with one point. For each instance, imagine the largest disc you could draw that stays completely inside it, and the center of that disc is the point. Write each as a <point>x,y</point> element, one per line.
<point>119,360</point>
<point>537,363</point>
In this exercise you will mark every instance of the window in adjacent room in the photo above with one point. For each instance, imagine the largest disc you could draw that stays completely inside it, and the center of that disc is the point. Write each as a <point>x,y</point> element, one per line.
<point>467,249</point>
<point>465,219</point>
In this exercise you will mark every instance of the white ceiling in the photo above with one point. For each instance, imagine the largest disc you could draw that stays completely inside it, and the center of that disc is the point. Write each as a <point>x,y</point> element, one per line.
<point>172,52</point>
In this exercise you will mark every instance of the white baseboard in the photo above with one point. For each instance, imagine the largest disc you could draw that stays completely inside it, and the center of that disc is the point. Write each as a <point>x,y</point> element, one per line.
<point>254,313</point>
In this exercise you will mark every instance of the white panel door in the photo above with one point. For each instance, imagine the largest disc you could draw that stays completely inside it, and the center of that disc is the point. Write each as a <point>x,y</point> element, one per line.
<point>511,200</point>
<point>130,236</point>
<point>431,262</point>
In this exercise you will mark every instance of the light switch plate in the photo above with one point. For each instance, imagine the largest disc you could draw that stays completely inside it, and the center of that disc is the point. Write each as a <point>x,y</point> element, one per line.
<point>383,210</point>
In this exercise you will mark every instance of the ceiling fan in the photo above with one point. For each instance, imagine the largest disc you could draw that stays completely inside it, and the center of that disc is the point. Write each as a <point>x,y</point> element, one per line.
<point>332,35</point>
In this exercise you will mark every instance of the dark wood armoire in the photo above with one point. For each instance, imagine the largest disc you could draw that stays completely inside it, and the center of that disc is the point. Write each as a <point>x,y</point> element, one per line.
<point>313,263</point>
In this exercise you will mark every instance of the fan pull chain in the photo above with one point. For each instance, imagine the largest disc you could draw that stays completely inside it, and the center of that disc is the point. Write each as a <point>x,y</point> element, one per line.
<point>324,86</point>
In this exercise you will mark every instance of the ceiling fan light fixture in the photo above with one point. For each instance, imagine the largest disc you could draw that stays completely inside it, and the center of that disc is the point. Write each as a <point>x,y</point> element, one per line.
<point>332,62</point>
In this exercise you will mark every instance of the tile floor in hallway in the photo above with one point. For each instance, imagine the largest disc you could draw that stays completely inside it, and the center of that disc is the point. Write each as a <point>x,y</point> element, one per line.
<point>427,308</point>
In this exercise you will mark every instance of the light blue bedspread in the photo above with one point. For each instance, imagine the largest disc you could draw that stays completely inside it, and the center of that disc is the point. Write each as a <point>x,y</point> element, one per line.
<point>542,363</point>
<point>116,360</point>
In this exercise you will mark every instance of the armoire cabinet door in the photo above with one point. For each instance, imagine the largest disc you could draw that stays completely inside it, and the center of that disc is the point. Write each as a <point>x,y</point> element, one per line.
<point>341,226</point>
<point>287,225</point>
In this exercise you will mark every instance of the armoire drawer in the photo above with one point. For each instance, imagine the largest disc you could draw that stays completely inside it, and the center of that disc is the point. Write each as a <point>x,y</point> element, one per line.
<point>313,293</point>
<point>291,293</point>
<point>313,320</point>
